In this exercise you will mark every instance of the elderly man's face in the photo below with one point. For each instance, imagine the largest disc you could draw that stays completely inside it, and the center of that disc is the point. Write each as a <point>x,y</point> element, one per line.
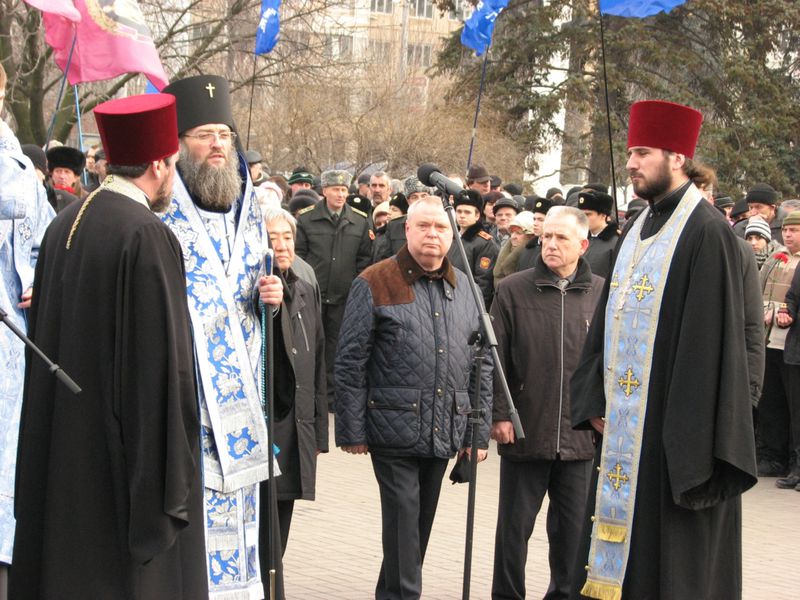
<point>428,234</point>
<point>378,189</point>
<point>482,187</point>
<point>766,211</point>
<point>561,244</point>
<point>63,177</point>
<point>282,238</point>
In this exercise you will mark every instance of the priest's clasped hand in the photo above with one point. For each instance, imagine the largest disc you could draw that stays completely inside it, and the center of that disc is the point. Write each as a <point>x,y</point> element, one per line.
<point>270,290</point>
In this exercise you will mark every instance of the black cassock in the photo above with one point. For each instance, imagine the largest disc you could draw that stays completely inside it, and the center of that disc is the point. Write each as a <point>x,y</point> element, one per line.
<point>108,490</point>
<point>698,452</point>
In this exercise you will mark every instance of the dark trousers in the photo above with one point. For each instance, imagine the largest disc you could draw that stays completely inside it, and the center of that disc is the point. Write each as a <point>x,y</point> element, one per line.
<point>332,315</point>
<point>772,436</point>
<point>409,490</point>
<point>523,485</point>
<point>285,511</point>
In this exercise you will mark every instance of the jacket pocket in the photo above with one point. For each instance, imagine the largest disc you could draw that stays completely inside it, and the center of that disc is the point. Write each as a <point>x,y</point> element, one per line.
<point>393,419</point>
<point>459,419</point>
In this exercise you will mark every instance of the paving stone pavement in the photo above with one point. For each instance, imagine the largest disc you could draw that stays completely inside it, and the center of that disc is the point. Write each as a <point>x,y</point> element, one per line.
<point>334,549</point>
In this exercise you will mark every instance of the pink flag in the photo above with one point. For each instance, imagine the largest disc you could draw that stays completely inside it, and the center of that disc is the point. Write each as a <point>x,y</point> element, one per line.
<point>64,8</point>
<point>112,39</point>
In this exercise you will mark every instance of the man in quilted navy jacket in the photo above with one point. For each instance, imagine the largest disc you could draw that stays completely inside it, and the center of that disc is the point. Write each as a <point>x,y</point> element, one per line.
<point>404,379</point>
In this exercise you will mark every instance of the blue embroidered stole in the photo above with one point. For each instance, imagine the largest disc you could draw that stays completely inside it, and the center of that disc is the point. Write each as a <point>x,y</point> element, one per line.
<point>634,302</point>
<point>227,339</point>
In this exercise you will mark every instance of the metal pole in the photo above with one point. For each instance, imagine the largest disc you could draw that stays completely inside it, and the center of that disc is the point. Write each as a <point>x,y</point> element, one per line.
<point>477,108</point>
<point>608,116</point>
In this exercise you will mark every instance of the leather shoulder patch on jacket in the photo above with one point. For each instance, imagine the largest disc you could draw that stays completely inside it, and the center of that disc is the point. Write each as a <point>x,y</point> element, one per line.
<point>387,284</point>
<point>485,235</point>
<point>307,209</point>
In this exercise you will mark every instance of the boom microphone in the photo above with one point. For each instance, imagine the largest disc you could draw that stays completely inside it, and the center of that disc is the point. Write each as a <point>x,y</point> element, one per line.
<point>431,176</point>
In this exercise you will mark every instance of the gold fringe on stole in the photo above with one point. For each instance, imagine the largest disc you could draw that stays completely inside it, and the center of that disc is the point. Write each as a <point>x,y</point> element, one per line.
<point>611,533</point>
<point>601,591</point>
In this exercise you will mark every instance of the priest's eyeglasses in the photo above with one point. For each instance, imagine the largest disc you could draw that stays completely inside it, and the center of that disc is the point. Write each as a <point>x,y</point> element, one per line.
<point>209,136</point>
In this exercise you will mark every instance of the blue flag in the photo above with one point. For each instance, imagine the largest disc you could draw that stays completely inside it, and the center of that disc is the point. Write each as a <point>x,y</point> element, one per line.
<point>637,8</point>
<point>268,27</point>
<point>478,29</point>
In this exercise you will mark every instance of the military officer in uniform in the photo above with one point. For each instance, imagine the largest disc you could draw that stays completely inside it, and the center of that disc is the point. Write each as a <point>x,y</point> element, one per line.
<point>603,233</point>
<point>336,240</point>
<point>479,244</point>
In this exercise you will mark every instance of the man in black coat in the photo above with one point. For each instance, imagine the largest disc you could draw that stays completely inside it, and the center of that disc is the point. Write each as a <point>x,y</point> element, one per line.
<point>479,246</point>
<point>664,379</point>
<point>540,317</point>
<point>603,232</point>
<point>109,496</point>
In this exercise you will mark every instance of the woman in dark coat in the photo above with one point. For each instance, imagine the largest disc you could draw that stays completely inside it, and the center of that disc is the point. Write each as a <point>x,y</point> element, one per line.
<point>301,410</point>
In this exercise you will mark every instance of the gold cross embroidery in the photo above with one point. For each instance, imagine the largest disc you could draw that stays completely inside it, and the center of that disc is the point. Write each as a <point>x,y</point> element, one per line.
<point>628,382</point>
<point>616,477</point>
<point>210,89</point>
<point>642,288</point>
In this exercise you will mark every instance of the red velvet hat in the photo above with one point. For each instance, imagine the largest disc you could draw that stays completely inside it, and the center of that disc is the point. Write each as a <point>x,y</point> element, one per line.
<point>138,129</point>
<point>665,125</point>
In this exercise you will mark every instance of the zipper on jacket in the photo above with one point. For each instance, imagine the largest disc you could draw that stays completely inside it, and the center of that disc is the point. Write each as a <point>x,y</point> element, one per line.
<point>561,384</point>
<point>303,327</point>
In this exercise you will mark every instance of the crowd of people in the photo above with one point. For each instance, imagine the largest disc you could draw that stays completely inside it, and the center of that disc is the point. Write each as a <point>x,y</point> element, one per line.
<point>634,347</point>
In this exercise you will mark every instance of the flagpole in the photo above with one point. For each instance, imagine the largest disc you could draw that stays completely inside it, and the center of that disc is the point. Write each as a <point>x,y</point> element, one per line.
<point>61,90</point>
<point>85,176</point>
<point>478,107</point>
<point>252,93</point>
<point>608,115</point>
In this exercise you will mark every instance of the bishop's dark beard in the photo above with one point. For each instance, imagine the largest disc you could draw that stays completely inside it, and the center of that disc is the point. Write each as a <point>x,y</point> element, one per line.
<point>215,188</point>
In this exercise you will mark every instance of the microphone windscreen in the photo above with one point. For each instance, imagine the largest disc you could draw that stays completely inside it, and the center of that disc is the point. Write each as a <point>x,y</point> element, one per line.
<point>424,173</point>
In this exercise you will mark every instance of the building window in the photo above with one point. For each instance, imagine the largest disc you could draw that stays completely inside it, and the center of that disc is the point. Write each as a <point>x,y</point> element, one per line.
<point>419,55</point>
<point>382,6</point>
<point>380,51</point>
<point>339,47</point>
<point>460,11</point>
<point>423,8</point>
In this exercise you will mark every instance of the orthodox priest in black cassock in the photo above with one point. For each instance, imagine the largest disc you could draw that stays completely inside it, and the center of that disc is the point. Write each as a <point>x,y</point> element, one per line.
<point>664,514</point>
<point>108,491</point>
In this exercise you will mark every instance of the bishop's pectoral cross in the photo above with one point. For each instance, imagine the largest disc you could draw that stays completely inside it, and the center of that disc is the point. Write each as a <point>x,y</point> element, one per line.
<point>210,89</point>
<point>616,477</point>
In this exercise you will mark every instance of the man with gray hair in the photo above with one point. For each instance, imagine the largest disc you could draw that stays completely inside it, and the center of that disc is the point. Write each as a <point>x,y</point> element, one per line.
<point>404,381</point>
<point>336,240</point>
<point>541,317</point>
<point>379,187</point>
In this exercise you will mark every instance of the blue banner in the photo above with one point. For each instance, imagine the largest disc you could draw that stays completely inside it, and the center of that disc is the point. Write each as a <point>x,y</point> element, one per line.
<point>637,8</point>
<point>478,29</point>
<point>269,26</point>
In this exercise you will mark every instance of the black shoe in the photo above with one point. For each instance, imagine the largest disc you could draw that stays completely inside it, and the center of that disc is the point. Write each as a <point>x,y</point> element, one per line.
<point>791,482</point>
<point>771,468</point>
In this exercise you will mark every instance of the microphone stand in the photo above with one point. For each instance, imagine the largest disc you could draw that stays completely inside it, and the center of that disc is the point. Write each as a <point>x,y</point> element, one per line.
<point>54,368</point>
<point>482,338</point>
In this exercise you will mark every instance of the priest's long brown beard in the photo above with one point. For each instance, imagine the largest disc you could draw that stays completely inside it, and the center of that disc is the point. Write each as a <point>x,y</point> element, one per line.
<point>215,187</point>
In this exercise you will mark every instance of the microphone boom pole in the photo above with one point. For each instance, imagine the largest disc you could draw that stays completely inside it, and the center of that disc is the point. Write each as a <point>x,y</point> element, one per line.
<point>484,337</point>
